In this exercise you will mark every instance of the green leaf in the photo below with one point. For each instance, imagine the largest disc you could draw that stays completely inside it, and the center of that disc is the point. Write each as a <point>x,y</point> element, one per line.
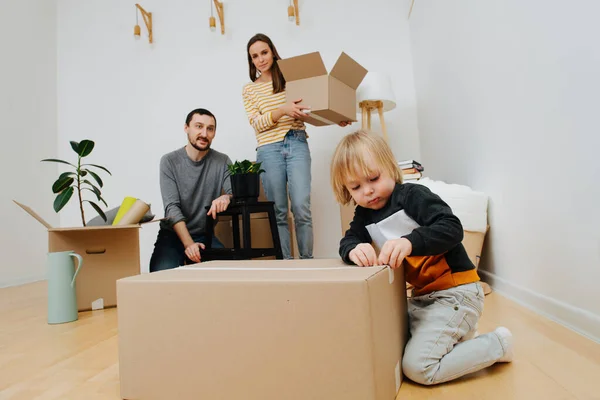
<point>82,172</point>
<point>255,168</point>
<point>85,148</point>
<point>96,177</point>
<point>91,190</point>
<point>97,193</point>
<point>66,174</point>
<point>245,167</point>
<point>94,189</point>
<point>97,166</point>
<point>102,200</point>
<point>92,185</point>
<point>75,146</point>
<point>98,209</point>
<point>63,198</point>
<point>58,161</point>
<point>62,183</point>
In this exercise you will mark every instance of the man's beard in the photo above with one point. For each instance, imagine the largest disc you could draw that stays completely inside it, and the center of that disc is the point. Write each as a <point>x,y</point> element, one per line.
<point>206,147</point>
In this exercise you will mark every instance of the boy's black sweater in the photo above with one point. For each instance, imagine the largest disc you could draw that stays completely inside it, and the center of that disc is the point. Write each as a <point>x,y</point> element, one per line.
<point>438,259</point>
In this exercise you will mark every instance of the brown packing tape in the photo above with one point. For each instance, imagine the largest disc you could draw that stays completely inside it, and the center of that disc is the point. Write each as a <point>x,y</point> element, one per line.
<point>135,213</point>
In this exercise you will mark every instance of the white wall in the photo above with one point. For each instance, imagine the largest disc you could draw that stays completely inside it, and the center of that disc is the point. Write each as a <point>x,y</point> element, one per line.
<point>28,132</point>
<point>508,104</point>
<point>132,97</point>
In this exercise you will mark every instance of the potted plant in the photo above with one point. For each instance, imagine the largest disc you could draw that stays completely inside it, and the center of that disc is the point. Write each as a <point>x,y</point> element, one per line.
<point>78,180</point>
<point>245,184</point>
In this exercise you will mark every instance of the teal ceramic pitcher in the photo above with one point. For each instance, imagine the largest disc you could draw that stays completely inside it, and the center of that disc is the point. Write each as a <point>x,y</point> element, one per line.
<point>62,300</point>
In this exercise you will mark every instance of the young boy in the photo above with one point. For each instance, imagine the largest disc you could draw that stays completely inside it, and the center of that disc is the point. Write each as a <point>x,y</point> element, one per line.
<point>409,224</point>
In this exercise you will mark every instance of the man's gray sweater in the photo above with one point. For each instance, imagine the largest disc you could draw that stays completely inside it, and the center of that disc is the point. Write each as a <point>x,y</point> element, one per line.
<point>187,187</point>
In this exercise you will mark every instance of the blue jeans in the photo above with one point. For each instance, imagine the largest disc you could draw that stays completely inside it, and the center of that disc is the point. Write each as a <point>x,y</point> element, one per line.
<point>169,252</point>
<point>287,167</point>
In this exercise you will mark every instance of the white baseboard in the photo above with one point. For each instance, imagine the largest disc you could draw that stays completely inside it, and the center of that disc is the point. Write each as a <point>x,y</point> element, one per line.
<point>22,280</point>
<point>576,319</point>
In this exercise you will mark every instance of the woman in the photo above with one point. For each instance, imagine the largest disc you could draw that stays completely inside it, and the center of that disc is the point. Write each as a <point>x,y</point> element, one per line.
<point>281,143</point>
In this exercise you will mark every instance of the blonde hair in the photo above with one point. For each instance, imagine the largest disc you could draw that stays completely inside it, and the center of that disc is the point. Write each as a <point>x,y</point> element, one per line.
<point>350,161</point>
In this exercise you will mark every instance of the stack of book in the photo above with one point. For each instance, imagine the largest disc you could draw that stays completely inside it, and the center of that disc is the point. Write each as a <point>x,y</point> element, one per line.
<point>411,170</point>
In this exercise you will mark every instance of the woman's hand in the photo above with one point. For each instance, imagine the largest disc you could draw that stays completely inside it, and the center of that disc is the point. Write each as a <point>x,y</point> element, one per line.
<point>294,110</point>
<point>345,123</point>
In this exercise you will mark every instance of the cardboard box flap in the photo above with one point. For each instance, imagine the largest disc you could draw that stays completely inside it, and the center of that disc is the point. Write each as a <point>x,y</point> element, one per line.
<point>302,67</point>
<point>34,214</point>
<point>348,71</point>
<point>103,227</point>
<point>308,263</point>
<point>260,274</point>
<point>95,228</point>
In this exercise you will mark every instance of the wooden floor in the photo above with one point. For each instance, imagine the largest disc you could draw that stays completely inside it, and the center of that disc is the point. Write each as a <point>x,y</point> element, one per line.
<point>79,360</point>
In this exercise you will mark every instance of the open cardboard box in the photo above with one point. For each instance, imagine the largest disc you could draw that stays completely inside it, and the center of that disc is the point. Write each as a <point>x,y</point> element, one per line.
<point>263,330</point>
<point>109,253</point>
<point>331,97</point>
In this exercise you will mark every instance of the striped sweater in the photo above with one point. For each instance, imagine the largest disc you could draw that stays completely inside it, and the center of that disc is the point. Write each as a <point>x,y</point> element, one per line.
<point>438,260</point>
<point>260,102</point>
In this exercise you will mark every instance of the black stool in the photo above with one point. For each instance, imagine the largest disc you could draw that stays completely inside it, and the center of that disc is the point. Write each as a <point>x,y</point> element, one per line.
<point>247,252</point>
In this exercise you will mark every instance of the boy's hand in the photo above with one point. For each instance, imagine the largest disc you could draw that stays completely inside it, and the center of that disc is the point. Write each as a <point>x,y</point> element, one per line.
<point>394,251</point>
<point>363,255</point>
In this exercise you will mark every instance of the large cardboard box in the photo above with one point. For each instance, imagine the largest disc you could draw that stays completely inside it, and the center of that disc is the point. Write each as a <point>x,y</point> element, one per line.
<point>109,253</point>
<point>262,330</point>
<point>472,241</point>
<point>332,97</point>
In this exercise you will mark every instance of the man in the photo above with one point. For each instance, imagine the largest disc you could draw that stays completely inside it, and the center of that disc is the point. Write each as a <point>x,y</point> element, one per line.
<point>191,178</point>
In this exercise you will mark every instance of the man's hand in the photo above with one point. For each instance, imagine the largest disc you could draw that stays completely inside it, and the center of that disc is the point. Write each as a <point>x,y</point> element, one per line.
<point>218,205</point>
<point>193,251</point>
<point>363,255</point>
<point>394,251</point>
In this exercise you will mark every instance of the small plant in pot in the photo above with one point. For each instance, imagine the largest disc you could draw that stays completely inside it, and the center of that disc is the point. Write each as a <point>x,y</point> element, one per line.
<point>245,180</point>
